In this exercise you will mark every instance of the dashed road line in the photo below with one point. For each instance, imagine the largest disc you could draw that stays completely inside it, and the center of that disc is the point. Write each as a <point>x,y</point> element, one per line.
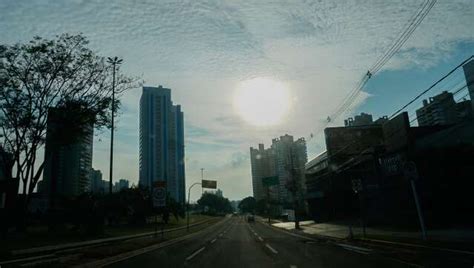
<point>195,253</point>
<point>271,249</point>
<point>356,249</point>
<point>293,266</point>
<point>213,240</point>
<point>261,239</point>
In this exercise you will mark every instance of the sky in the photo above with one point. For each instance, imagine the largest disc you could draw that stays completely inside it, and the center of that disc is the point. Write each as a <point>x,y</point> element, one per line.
<point>203,51</point>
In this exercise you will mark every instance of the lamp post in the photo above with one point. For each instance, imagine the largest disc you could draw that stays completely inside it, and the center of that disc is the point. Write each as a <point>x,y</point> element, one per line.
<point>114,62</point>
<point>187,209</point>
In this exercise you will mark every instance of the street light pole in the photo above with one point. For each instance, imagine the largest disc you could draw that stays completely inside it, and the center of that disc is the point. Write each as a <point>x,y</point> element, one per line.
<point>187,209</point>
<point>114,61</point>
<point>202,178</point>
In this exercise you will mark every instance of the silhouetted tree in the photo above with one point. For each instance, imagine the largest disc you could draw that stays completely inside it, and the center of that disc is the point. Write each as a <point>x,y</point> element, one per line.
<point>216,204</point>
<point>248,205</point>
<point>44,74</point>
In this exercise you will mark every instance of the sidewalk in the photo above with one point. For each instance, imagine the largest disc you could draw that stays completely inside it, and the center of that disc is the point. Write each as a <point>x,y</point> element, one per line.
<point>341,231</point>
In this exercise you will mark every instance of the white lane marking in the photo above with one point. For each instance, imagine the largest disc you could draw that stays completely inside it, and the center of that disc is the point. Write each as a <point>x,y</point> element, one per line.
<point>261,239</point>
<point>360,250</point>
<point>213,240</point>
<point>195,253</point>
<point>293,266</point>
<point>350,247</point>
<point>271,249</point>
<point>220,235</point>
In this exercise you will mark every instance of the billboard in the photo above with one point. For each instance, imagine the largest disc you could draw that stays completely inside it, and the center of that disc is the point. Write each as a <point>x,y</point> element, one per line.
<point>349,141</point>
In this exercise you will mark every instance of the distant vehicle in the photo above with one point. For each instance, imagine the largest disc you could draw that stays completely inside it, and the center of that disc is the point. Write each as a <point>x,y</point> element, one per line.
<point>250,218</point>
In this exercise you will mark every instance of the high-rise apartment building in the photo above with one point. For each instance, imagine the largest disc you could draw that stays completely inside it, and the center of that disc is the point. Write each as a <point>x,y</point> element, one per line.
<point>285,159</point>
<point>161,142</point>
<point>262,165</point>
<point>67,164</point>
<point>442,109</point>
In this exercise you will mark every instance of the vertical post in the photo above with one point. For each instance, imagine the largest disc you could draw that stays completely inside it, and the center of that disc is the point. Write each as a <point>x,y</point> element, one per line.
<point>162,232</point>
<point>156,226</point>
<point>114,61</point>
<point>202,178</point>
<point>418,209</point>
<point>112,131</point>
<point>187,210</point>
<point>268,203</point>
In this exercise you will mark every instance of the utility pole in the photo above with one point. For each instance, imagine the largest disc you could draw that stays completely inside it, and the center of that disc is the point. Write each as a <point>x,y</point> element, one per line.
<point>114,61</point>
<point>202,178</point>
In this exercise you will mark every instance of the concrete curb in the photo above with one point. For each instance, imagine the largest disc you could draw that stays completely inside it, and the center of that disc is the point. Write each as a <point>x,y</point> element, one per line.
<point>374,242</point>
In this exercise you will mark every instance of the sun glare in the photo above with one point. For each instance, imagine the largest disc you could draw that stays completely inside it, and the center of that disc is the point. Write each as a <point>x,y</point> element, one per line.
<point>262,101</point>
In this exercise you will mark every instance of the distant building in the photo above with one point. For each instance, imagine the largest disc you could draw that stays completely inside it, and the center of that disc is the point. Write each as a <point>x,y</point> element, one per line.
<point>286,160</point>
<point>120,185</point>
<point>97,184</point>
<point>262,165</point>
<point>382,120</point>
<point>67,165</point>
<point>442,109</point>
<point>359,120</point>
<point>161,142</point>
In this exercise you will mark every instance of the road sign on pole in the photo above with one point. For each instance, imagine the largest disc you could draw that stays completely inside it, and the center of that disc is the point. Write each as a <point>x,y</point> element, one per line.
<point>209,184</point>
<point>159,194</point>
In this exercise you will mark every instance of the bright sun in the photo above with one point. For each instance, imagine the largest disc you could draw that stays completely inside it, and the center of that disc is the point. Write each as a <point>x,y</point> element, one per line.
<point>262,101</point>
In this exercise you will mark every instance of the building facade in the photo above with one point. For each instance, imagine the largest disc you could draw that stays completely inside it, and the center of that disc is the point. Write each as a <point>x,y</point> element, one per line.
<point>285,159</point>
<point>161,142</point>
<point>67,164</point>
<point>97,184</point>
<point>469,75</point>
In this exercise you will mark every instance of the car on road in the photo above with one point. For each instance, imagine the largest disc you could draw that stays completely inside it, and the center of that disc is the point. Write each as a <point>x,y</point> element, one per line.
<point>250,218</point>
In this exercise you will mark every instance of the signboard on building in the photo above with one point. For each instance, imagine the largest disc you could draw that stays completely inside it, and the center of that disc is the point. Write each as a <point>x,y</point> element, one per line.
<point>342,142</point>
<point>159,194</point>
<point>270,181</point>
<point>209,184</point>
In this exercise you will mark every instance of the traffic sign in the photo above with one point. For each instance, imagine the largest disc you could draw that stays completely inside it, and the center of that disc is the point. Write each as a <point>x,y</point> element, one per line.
<point>159,194</point>
<point>209,184</point>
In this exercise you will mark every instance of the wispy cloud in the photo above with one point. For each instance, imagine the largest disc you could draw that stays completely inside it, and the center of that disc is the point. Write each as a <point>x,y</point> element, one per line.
<point>203,49</point>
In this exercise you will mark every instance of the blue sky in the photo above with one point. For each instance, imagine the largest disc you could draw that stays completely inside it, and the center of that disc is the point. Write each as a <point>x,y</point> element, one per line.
<point>202,50</point>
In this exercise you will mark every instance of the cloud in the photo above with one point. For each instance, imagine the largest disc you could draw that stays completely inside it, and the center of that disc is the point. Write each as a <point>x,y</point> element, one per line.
<point>203,49</point>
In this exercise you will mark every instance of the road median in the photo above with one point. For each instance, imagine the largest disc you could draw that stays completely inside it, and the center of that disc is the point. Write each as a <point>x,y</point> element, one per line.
<point>53,252</point>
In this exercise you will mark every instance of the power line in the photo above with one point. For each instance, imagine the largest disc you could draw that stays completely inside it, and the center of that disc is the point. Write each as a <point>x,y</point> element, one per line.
<point>414,22</point>
<point>431,87</point>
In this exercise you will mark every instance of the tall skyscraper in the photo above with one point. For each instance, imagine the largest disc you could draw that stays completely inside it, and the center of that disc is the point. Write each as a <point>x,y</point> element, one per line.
<point>162,142</point>
<point>262,164</point>
<point>286,160</point>
<point>67,164</point>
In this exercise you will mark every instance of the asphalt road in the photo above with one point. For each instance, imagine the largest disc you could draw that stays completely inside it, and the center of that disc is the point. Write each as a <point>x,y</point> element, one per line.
<point>236,243</point>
